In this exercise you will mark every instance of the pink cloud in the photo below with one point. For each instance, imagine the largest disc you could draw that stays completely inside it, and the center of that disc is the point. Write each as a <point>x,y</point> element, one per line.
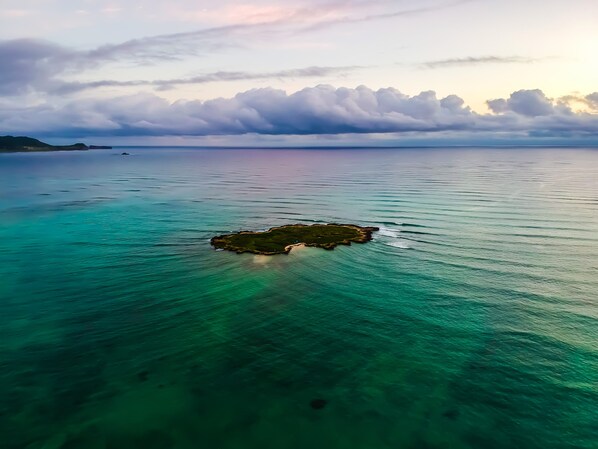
<point>252,13</point>
<point>12,13</point>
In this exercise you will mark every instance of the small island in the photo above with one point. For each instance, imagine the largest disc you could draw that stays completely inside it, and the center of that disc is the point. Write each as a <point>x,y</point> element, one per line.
<point>11,144</point>
<point>281,240</point>
<point>100,147</point>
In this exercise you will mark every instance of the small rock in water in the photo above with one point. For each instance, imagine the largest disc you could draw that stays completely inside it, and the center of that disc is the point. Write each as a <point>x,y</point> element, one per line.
<point>125,154</point>
<point>451,414</point>
<point>318,404</point>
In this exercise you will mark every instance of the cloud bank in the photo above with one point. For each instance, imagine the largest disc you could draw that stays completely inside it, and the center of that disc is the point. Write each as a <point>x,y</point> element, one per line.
<point>320,110</point>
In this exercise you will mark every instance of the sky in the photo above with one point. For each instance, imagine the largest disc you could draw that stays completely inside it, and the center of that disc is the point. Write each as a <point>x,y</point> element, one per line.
<point>307,72</point>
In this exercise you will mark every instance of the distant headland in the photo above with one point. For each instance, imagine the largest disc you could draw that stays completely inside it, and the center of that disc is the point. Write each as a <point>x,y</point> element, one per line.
<point>281,240</point>
<point>10,144</point>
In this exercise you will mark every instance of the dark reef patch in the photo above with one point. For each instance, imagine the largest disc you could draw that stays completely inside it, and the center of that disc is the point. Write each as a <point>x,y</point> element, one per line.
<point>451,414</point>
<point>318,404</point>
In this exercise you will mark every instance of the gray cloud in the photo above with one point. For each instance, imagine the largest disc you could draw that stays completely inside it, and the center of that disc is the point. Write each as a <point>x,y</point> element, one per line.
<point>383,16</point>
<point>27,63</point>
<point>479,60</point>
<point>307,72</point>
<point>528,103</point>
<point>498,106</point>
<point>592,100</point>
<point>36,66</point>
<point>30,65</point>
<point>174,46</point>
<point>211,39</point>
<point>321,110</point>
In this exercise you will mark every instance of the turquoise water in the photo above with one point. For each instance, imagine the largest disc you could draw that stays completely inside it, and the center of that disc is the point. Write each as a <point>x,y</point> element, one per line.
<point>471,321</point>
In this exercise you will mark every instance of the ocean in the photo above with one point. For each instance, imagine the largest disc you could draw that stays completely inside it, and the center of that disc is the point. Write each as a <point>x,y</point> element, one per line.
<point>469,322</point>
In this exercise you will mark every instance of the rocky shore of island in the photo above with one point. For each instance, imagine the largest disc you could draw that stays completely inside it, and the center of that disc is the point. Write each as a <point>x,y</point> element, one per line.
<point>282,239</point>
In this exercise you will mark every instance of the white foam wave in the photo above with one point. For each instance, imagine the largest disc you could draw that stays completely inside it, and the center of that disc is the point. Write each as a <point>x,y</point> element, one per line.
<point>399,244</point>
<point>387,232</point>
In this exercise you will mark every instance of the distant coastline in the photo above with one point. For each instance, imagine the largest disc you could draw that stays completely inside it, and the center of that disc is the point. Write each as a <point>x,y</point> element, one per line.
<point>11,144</point>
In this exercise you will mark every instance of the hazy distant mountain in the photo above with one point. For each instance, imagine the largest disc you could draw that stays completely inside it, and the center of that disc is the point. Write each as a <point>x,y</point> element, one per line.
<point>14,144</point>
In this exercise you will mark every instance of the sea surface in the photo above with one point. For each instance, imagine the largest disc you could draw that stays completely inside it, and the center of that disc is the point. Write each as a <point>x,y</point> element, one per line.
<point>469,322</point>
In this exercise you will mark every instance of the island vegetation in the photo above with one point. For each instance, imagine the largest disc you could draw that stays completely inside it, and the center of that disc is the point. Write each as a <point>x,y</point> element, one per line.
<point>280,240</point>
<point>10,144</point>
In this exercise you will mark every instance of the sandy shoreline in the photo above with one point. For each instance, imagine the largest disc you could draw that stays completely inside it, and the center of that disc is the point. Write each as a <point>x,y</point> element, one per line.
<point>295,247</point>
<point>264,259</point>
